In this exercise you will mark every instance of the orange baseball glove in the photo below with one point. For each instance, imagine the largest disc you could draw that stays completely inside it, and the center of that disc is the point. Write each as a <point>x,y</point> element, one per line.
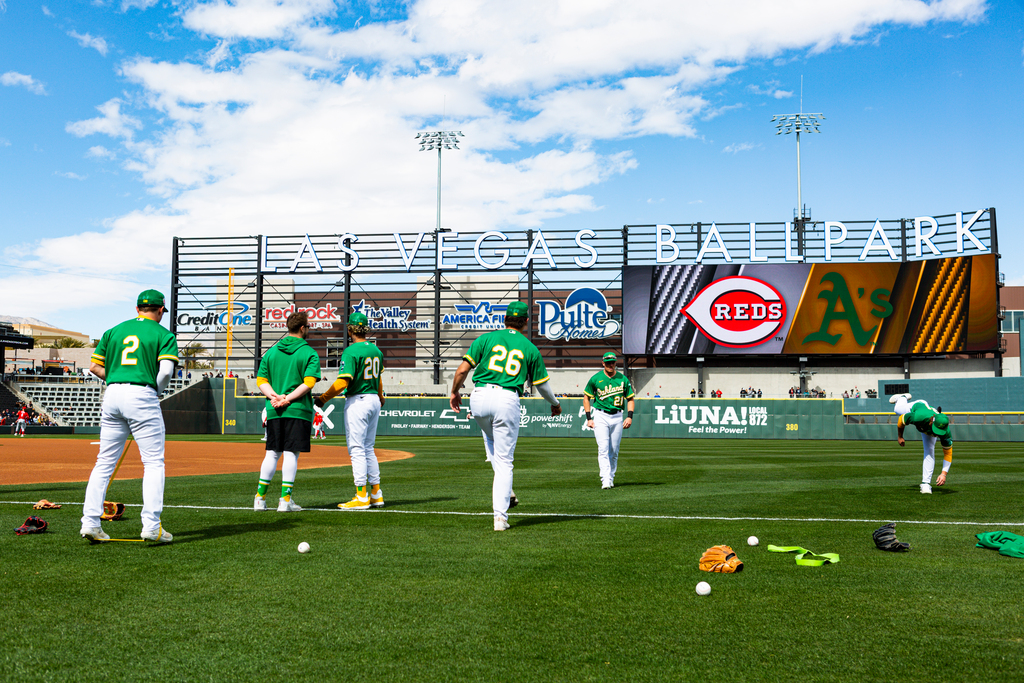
<point>720,558</point>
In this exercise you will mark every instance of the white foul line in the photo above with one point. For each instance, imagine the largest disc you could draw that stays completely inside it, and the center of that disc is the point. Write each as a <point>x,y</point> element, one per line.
<point>580,515</point>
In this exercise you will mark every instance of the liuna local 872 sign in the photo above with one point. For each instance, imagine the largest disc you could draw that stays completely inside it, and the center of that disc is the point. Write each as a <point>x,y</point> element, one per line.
<point>915,308</point>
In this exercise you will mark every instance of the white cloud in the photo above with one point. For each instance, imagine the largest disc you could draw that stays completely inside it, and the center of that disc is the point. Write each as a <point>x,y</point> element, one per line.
<point>292,125</point>
<point>266,19</point>
<point>86,40</point>
<point>13,78</point>
<point>137,4</point>
<point>46,11</point>
<point>740,147</point>
<point>770,89</point>
<point>4,142</point>
<point>70,174</point>
<point>100,152</point>
<point>112,123</point>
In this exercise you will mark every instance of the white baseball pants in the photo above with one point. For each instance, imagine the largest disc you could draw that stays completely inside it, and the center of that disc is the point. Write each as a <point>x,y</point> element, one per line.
<point>496,410</point>
<point>362,412</point>
<point>129,410</point>
<point>608,432</point>
<point>927,440</point>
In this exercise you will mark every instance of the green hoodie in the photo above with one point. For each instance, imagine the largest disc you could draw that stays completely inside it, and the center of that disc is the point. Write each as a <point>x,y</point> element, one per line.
<point>285,366</point>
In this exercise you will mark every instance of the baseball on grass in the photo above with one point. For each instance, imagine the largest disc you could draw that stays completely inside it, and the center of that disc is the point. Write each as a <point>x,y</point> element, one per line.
<point>303,547</point>
<point>703,588</point>
<point>752,540</point>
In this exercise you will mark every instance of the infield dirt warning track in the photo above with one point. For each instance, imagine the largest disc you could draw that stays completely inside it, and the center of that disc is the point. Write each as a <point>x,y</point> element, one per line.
<point>46,461</point>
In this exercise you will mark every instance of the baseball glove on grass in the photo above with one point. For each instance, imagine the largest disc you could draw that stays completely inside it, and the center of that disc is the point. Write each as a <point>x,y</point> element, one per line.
<point>721,559</point>
<point>885,539</point>
<point>32,525</point>
<point>45,505</point>
<point>112,511</point>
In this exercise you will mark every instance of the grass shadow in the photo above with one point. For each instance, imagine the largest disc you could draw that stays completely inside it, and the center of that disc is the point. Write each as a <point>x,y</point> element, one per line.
<point>223,530</point>
<point>547,519</point>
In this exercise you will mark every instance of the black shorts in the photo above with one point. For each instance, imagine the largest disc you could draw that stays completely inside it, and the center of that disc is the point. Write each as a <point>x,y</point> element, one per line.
<point>288,434</point>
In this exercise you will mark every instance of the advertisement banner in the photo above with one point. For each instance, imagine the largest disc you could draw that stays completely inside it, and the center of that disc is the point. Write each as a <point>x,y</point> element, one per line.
<point>940,306</point>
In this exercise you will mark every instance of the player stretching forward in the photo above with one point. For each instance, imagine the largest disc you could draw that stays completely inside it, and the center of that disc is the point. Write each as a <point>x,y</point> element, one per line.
<point>610,391</point>
<point>137,359</point>
<point>292,367</point>
<point>19,426</point>
<point>359,378</point>
<point>932,425</point>
<point>318,424</point>
<point>503,361</point>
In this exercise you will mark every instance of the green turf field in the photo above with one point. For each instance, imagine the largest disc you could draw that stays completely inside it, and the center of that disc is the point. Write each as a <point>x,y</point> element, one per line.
<point>586,585</point>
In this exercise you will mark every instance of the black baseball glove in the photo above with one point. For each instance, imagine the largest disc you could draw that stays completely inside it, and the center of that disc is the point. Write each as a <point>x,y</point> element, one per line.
<point>885,539</point>
<point>32,525</point>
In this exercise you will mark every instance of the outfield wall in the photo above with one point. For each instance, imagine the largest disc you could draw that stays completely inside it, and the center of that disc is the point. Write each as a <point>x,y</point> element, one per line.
<point>654,418</point>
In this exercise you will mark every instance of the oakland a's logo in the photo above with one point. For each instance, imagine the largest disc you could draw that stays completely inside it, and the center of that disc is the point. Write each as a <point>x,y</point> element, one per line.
<point>737,311</point>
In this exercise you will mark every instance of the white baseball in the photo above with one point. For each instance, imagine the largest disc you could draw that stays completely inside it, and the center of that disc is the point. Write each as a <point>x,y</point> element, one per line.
<point>752,540</point>
<point>703,588</point>
<point>303,547</point>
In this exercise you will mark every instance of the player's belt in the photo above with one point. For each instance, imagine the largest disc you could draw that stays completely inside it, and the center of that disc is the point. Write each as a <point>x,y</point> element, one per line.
<point>136,384</point>
<point>608,412</point>
<point>498,386</point>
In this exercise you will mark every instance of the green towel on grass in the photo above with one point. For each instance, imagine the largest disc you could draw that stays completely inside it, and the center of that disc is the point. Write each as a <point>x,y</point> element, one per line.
<point>1006,543</point>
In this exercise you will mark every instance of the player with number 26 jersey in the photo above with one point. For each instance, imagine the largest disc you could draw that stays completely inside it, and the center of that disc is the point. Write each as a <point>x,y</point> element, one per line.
<point>501,362</point>
<point>506,358</point>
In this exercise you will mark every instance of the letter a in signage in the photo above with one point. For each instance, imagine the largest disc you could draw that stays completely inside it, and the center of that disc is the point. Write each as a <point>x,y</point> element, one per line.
<point>840,293</point>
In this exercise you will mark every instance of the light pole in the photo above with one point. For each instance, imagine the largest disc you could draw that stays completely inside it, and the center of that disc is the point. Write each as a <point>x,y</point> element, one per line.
<point>440,139</point>
<point>798,123</point>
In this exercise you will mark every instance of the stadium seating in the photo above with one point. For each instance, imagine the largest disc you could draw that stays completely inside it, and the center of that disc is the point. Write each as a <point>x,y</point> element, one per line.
<point>74,401</point>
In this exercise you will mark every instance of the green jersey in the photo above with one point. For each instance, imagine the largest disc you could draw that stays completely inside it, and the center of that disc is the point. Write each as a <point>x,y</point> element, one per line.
<point>131,352</point>
<point>609,393</point>
<point>920,416</point>
<point>286,365</point>
<point>506,358</point>
<point>361,364</point>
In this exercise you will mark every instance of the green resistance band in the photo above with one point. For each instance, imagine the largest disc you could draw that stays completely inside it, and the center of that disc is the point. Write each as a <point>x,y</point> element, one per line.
<point>802,559</point>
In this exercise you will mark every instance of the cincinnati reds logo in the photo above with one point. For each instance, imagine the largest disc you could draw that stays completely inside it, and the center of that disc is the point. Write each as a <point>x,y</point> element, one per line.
<point>737,311</point>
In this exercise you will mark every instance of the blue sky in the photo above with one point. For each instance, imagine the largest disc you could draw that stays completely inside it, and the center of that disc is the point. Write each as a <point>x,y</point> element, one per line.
<point>124,122</point>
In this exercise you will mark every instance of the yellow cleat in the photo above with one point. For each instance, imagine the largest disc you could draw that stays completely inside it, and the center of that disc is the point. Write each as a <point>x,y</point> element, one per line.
<point>357,503</point>
<point>377,501</point>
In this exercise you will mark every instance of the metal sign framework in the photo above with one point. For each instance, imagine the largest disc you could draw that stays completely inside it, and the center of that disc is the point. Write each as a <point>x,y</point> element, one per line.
<point>427,292</point>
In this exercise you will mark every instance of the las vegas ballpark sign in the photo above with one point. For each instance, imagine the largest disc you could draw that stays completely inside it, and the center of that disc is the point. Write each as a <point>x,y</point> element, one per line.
<point>737,311</point>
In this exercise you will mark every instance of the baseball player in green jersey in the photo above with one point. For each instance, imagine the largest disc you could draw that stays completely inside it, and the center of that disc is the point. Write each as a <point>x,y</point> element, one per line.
<point>933,425</point>
<point>610,392</point>
<point>137,360</point>
<point>359,378</point>
<point>286,375</point>
<point>502,361</point>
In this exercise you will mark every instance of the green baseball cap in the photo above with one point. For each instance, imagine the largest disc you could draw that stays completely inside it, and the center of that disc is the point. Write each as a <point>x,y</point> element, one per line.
<point>608,357</point>
<point>940,425</point>
<point>517,309</point>
<point>150,297</point>
<point>357,318</point>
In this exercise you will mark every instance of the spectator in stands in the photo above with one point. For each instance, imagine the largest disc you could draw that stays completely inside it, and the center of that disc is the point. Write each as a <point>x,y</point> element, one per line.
<point>693,393</point>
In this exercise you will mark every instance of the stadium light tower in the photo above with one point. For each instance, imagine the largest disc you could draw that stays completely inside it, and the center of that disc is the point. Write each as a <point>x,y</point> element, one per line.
<point>798,123</point>
<point>441,139</point>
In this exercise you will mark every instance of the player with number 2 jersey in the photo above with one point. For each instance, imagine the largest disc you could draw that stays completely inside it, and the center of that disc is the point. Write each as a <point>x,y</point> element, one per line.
<point>137,359</point>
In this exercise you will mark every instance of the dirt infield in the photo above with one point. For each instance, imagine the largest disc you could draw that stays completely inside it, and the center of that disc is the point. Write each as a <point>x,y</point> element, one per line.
<point>46,461</point>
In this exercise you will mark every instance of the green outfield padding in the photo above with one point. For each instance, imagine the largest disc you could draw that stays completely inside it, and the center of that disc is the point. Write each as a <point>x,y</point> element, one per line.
<point>217,409</point>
